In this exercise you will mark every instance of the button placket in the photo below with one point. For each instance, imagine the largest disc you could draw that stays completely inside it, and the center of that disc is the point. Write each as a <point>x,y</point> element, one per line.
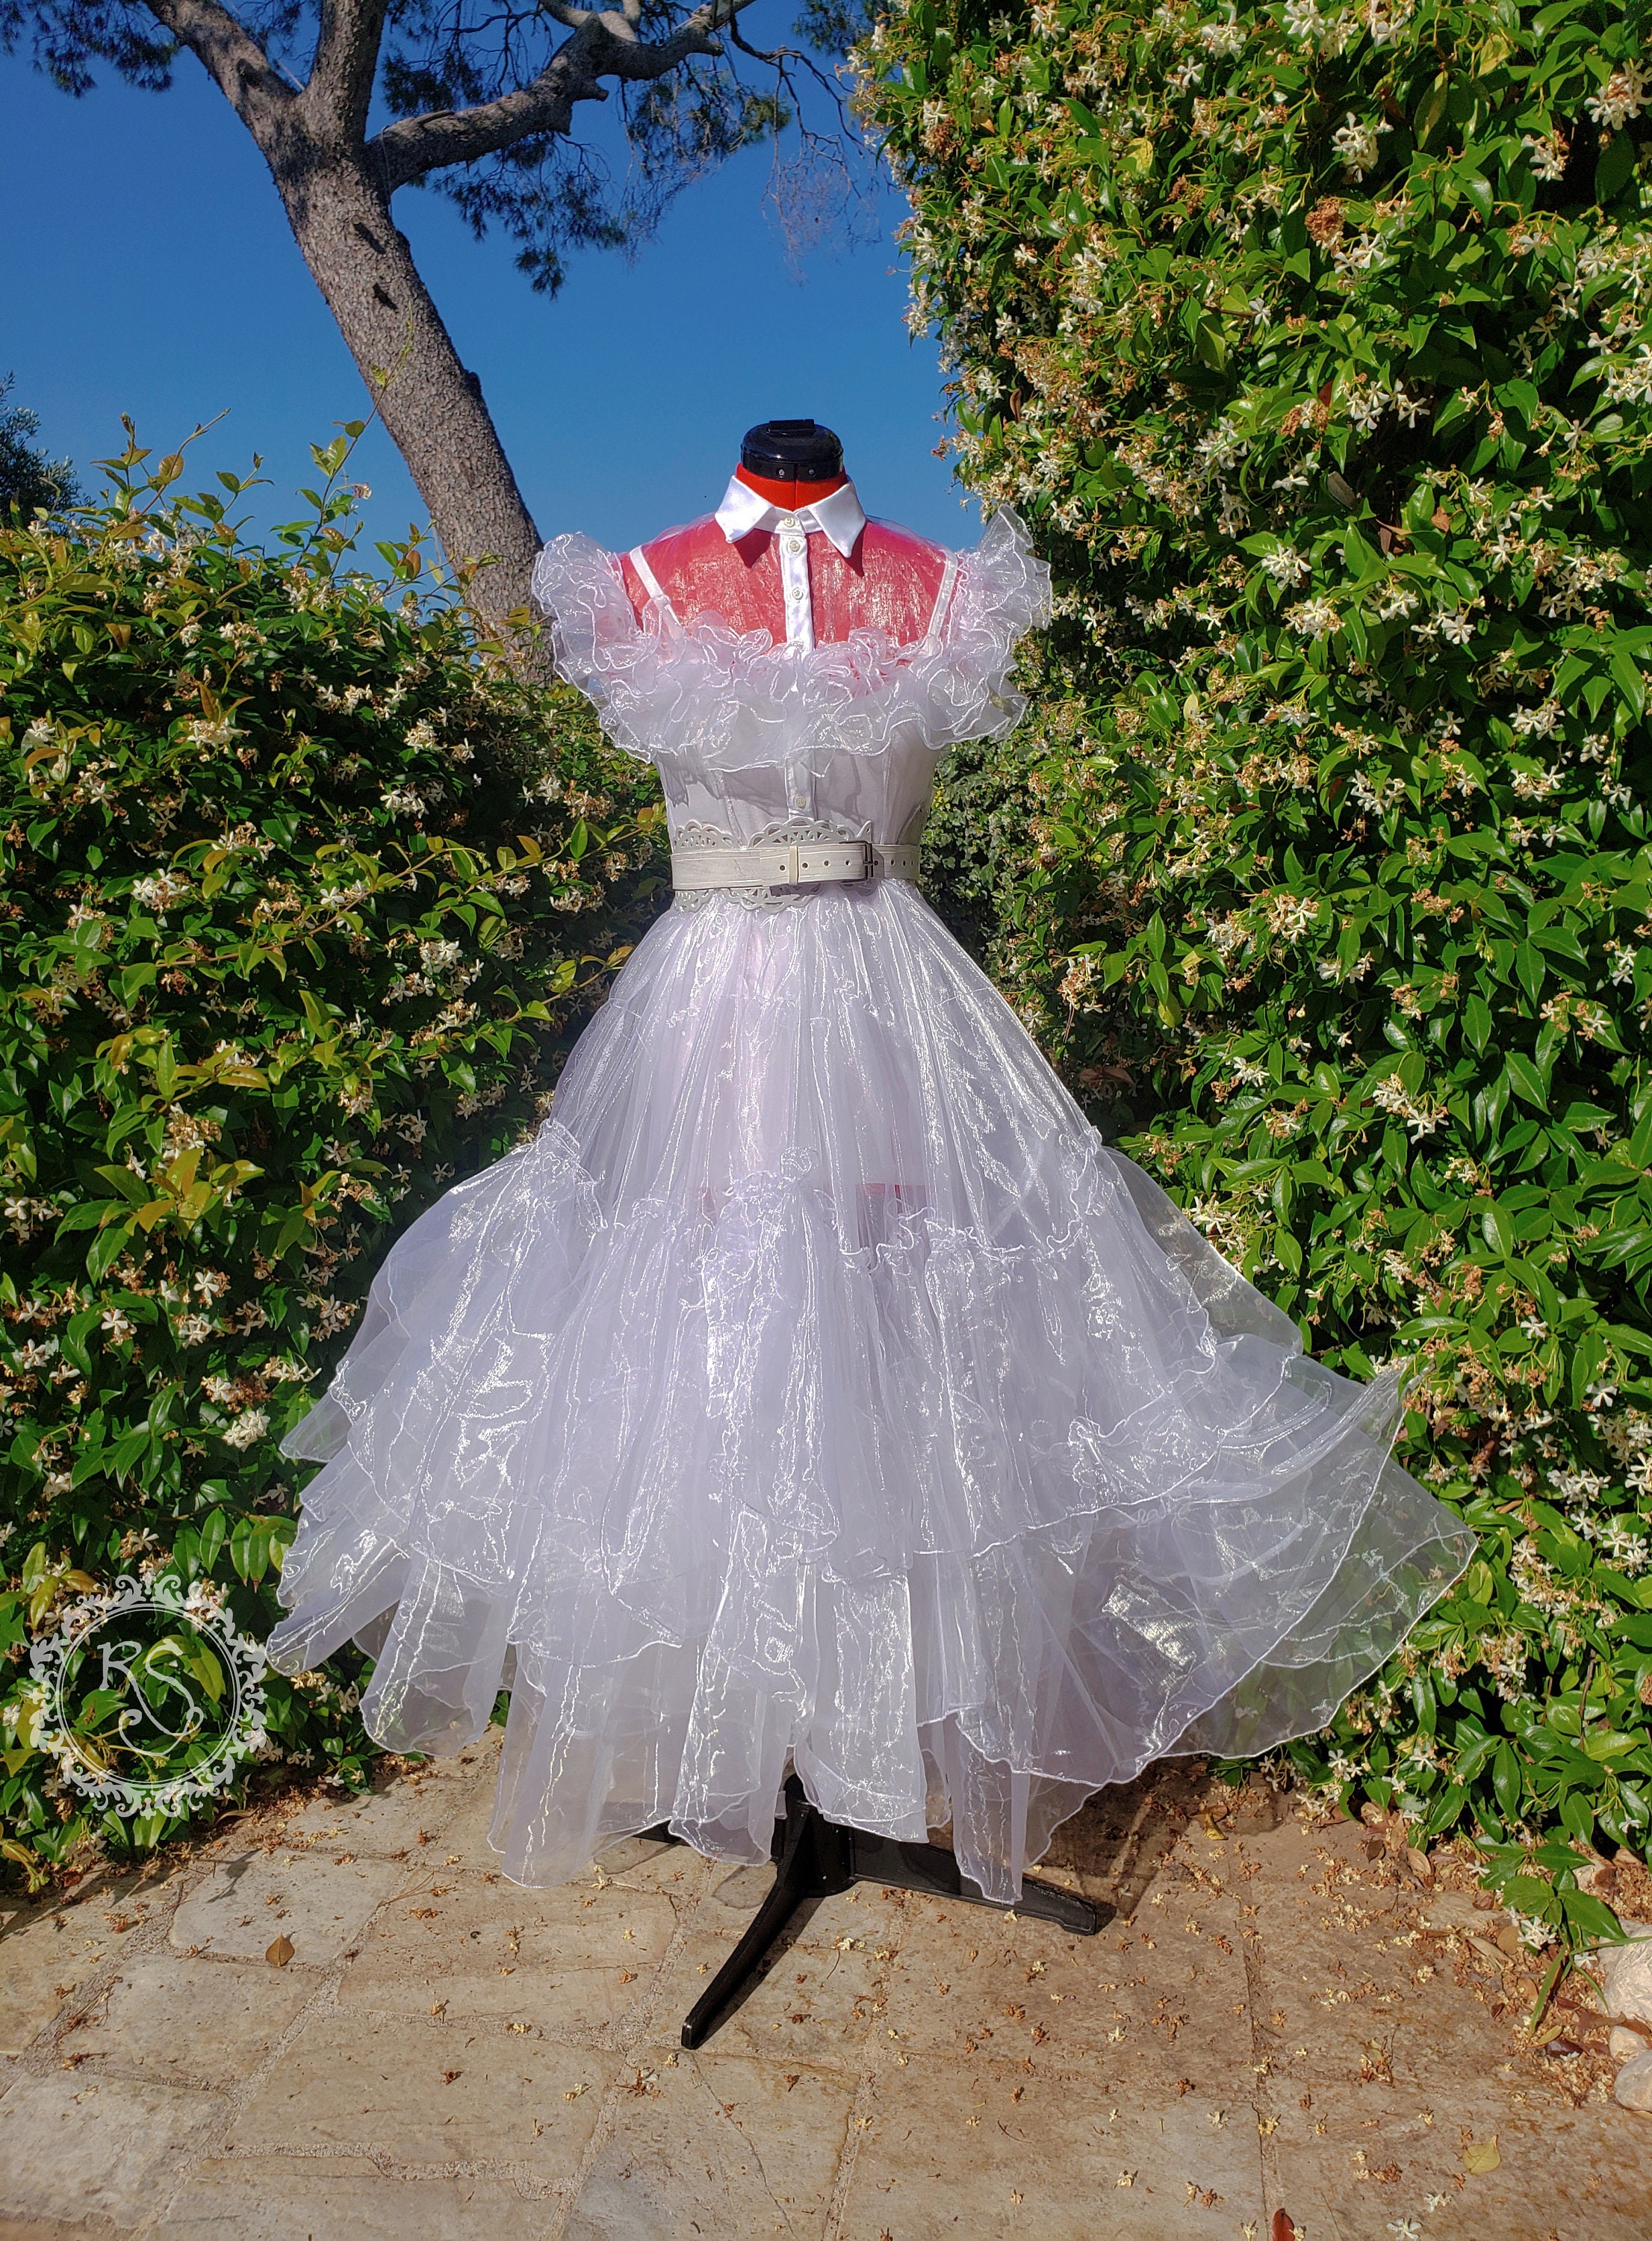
<point>791,546</point>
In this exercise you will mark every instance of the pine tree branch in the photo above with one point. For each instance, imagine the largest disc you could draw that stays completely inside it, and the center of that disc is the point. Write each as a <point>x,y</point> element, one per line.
<point>603,44</point>
<point>340,89</point>
<point>243,73</point>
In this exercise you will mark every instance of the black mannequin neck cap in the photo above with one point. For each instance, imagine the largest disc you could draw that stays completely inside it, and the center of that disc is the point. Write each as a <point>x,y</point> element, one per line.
<point>791,450</point>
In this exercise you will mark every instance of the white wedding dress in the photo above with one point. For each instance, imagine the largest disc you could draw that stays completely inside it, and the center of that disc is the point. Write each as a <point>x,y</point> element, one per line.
<point>816,1387</point>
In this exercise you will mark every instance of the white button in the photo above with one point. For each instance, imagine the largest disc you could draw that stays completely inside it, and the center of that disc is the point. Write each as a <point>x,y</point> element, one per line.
<point>794,544</point>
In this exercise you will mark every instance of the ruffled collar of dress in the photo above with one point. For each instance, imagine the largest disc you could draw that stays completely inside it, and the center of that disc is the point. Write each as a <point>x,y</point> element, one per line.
<point>666,686</point>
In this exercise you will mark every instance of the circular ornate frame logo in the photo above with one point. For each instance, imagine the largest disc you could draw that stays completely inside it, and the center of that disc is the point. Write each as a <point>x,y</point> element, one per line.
<point>150,1699</point>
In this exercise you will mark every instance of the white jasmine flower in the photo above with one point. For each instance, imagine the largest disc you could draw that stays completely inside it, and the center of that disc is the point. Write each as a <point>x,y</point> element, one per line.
<point>215,731</point>
<point>1223,36</point>
<point>246,1429</point>
<point>1355,146</point>
<point>1537,722</point>
<point>1286,567</point>
<point>1620,100</point>
<point>161,892</point>
<point>1631,383</point>
<point>1622,1545</point>
<point>1314,618</point>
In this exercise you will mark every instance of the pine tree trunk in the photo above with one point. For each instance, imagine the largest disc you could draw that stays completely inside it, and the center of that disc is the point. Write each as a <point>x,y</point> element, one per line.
<point>433,407</point>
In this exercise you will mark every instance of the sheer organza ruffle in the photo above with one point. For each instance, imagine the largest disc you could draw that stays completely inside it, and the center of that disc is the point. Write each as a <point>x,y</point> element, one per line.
<point>700,690</point>
<point>816,1386</point>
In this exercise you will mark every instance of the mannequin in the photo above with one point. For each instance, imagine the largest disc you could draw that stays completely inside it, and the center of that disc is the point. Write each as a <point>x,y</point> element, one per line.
<point>756,579</point>
<point>889,578</point>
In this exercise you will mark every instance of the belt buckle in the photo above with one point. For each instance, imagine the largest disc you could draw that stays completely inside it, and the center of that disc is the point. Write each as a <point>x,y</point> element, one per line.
<point>792,872</point>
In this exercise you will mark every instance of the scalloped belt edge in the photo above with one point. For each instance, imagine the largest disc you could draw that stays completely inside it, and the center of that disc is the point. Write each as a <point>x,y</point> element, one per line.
<point>791,864</point>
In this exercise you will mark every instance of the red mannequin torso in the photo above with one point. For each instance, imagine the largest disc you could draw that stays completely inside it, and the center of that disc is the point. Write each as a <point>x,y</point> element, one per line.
<point>889,581</point>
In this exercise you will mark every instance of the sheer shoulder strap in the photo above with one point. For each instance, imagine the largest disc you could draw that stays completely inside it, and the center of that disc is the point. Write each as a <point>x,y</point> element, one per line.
<point>650,582</point>
<point>943,601</point>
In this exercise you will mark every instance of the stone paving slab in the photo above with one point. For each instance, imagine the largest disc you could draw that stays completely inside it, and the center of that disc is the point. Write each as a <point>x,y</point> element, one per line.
<point>978,2147</point>
<point>280,2199</point>
<point>319,1905</point>
<point>572,1961</point>
<point>1279,2016</point>
<point>44,1967</point>
<point>434,2095</point>
<point>186,2022</point>
<point>412,1813</point>
<point>48,1950</point>
<point>714,2143</point>
<point>76,2146</point>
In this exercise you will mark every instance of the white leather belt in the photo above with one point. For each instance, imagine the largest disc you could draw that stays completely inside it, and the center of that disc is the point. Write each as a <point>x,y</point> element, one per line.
<point>791,864</point>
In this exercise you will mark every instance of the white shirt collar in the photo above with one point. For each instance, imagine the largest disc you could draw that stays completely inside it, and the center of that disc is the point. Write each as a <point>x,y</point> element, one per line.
<point>838,517</point>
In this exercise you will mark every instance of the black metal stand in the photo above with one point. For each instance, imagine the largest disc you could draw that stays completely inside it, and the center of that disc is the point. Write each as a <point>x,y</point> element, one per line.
<point>814,1857</point>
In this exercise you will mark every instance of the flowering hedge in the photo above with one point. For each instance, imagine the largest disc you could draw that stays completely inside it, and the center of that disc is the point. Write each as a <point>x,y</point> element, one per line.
<point>1316,341</point>
<point>305,892</point>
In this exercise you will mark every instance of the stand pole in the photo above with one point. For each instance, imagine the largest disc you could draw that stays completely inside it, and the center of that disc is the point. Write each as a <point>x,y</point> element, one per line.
<point>815,1857</point>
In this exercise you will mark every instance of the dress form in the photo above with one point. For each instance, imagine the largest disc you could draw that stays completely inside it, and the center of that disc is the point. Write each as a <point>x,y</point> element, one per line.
<point>893,580</point>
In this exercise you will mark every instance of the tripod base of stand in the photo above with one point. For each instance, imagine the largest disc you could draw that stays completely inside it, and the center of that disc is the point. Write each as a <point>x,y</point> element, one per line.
<point>815,1857</point>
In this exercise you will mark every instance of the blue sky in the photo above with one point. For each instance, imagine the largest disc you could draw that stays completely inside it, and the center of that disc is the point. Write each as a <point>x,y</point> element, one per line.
<point>146,267</point>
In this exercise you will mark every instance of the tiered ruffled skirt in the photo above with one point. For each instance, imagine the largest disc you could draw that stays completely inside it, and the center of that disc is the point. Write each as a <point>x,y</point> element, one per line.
<point>817,1386</point>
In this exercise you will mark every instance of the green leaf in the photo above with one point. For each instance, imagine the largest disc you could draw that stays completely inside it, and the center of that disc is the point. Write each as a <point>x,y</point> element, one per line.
<point>1615,167</point>
<point>106,1248</point>
<point>249,1547</point>
<point>1431,109</point>
<point>1477,188</point>
<point>1359,558</point>
<point>214,1526</point>
<point>1577,1815</point>
<point>1528,1084</point>
<point>1506,1785</point>
<point>1628,677</point>
<point>1498,1231</point>
<point>207,1671</point>
<point>1588,1355</point>
<point>1589,1916</point>
<point>1528,964</point>
<point>89,1215</point>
